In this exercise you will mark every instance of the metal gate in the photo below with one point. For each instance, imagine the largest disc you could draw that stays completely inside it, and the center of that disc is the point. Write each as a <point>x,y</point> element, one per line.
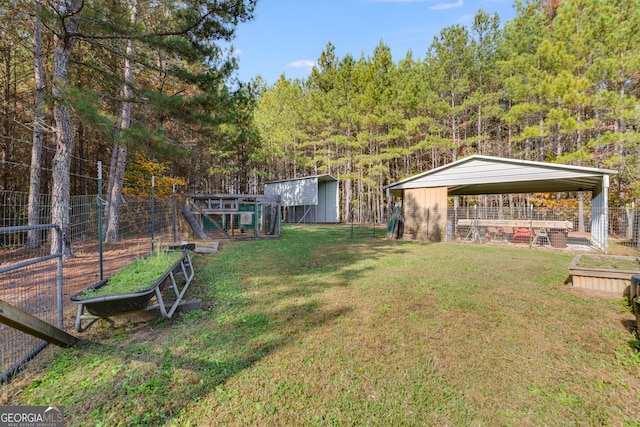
<point>31,280</point>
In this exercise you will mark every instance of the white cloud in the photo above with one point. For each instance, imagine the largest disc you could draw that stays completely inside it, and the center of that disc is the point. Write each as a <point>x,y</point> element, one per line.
<point>444,6</point>
<point>466,19</point>
<point>303,63</point>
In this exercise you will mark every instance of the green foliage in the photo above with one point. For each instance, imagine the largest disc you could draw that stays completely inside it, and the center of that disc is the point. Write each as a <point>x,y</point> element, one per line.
<point>558,81</point>
<point>182,85</point>
<point>90,110</point>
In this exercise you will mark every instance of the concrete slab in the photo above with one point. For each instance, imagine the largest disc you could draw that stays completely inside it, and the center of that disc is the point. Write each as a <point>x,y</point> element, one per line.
<point>205,251</point>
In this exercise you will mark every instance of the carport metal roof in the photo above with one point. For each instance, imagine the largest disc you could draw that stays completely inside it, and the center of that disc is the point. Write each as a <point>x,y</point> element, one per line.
<point>495,175</point>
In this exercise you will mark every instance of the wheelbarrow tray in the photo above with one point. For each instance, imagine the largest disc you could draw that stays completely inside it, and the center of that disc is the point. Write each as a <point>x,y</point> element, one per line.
<point>121,303</point>
<point>109,305</point>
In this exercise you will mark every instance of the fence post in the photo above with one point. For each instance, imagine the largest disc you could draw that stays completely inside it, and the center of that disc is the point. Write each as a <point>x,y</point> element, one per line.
<point>373,233</point>
<point>352,222</point>
<point>530,226</point>
<point>59,277</point>
<point>255,218</point>
<point>632,222</point>
<point>100,204</point>
<point>153,218</point>
<point>428,221</point>
<point>635,224</point>
<point>476,234</point>
<point>175,214</point>
<point>455,222</point>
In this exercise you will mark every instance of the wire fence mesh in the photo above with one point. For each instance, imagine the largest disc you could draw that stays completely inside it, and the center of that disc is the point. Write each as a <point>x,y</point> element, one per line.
<point>146,222</point>
<point>557,227</point>
<point>141,219</point>
<point>30,280</point>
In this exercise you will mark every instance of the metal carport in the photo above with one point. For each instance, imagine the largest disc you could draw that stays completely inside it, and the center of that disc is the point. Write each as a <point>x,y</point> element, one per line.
<point>477,174</point>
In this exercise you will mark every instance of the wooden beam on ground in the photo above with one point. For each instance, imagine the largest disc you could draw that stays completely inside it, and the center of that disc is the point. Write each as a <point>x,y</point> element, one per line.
<point>25,322</point>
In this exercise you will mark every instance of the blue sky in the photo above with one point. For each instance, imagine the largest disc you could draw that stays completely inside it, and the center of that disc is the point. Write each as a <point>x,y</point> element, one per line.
<point>288,36</point>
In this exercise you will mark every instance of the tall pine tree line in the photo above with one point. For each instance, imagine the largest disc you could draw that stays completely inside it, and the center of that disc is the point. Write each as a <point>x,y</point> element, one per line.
<point>112,77</point>
<point>558,83</point>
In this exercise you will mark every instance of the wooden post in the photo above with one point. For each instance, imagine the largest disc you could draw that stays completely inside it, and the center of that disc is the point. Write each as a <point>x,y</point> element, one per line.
<point>25,322</point>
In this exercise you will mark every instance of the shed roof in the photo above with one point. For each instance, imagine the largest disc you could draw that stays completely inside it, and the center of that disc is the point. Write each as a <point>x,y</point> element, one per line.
<point>321,178</point>
<point>496,175</point>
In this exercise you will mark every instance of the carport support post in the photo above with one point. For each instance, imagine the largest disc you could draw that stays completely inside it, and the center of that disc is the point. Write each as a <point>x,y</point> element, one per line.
<point>600,215</point>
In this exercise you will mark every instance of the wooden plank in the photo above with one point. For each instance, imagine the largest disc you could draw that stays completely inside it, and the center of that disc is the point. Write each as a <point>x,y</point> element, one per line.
<point>517,223</point>
<point>25,322</point>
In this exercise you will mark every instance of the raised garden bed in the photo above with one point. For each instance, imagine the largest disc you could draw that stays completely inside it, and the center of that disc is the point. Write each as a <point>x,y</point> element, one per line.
<point>608,275</point>
<point>133,287</point>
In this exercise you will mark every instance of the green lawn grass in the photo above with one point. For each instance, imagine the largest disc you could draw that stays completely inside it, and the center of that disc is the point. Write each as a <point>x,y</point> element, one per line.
<point>318,329</point>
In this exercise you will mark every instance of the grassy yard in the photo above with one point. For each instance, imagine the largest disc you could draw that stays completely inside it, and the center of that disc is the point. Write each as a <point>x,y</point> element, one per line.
<point>318,329</point>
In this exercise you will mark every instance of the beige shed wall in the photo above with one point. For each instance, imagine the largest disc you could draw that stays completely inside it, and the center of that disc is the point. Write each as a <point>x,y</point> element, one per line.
<point>425,214</point>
